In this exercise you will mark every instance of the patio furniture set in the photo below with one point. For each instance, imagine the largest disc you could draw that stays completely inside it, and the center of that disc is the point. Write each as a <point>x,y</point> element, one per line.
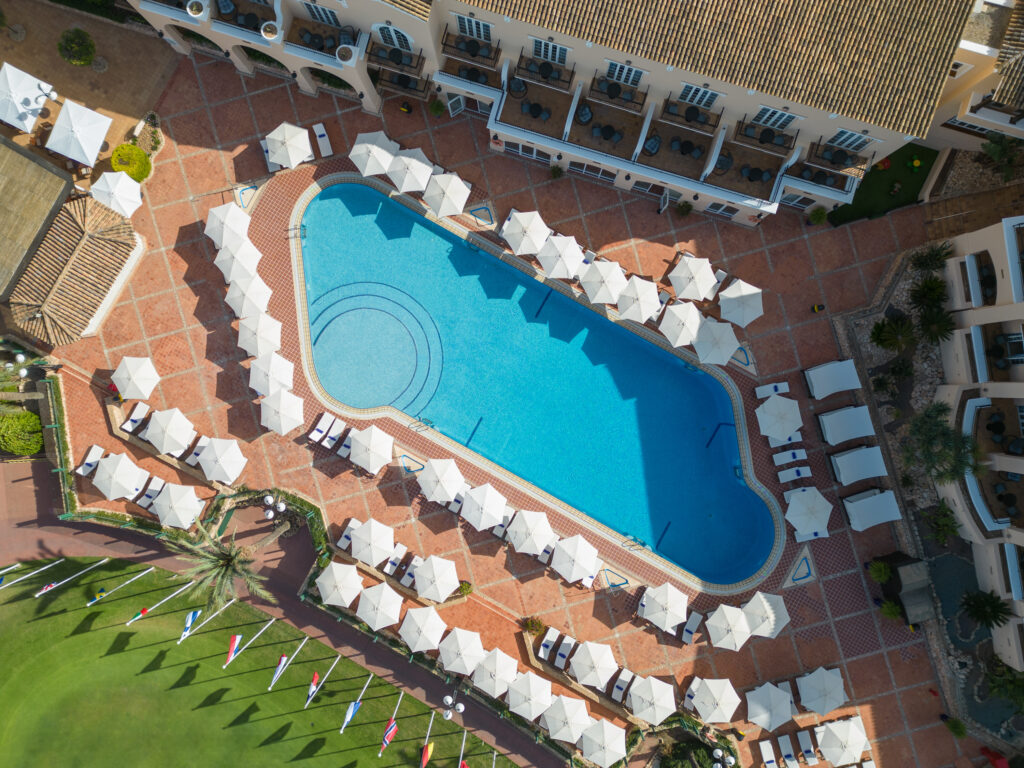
<point>686,147</point>
<point>473,47</point>
<point>535,110</point>
<point>614,90</point>
<point>690,114</point>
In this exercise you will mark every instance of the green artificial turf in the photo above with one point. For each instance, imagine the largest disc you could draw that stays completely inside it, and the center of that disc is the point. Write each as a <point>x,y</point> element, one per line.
<point>872,197</point>
<point>82,689</point>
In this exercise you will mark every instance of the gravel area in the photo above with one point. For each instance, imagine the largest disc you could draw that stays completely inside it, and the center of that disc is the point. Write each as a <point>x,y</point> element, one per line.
<point>968,175</point>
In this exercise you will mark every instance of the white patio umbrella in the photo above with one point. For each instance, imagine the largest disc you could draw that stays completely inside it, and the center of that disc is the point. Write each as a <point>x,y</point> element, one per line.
<point>372,449</point>
<point>714,699</point>
<point>446,194</point>
<point>530,532</point>
<point>288,145</point>
<point>135,378</point>
<point>373,542</point>
<point>561,257</point>
<point>728,627</point>
<point>808,510</point>
<point>680,323</point>
<point>525,232</point>
<point>483,507</point>
<point>495,673</point>
<point>766,614</point>
<point>177,506</point>
<point>778,417</point>
<point>117,477</point>
<point>566,719</point>
<point>281,411</point>
<point>574,558</point>
<point>822,690</point>
<point>436,578</point>
<point>651,699</point>
<point>693,278</point>
<point>639,300</point>
<point>222,461</point>
<point>372,153</point>
<point>603,281</point>
<point>843,741</point>
<point>78,133</point>
<point>664,606</point>
<point>238,263</point>
<point>227,222</point>
<point>593,664</point>
<point>603,743</point>
<point>118,191</point>
<point>259,334</point>
<point>440,480</point>
<point>529,695</point>
<point>769,706</point>
<point>422,629</point>
<point>715,342</point>
<point>410,170</point>
<point>248,296</point>
<point>269,373</point>
<point>22,97</point>
<point>379,606</point>
<point>339,584</point>
<point>740,303</point>
<point>461,651</point>
<point>170,432</point>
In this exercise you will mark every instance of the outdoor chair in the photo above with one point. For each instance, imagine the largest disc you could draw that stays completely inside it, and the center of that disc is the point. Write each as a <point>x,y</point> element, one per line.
<point>333,433</point>
<point>201,443</point>
<point>322,141</point>
<point>500,528</point>
<point>152,491</point>
<point>602,85</point>
<point>396,557</point>
<point>766,176</point>
<point>595,132</point>
<point>135,418</point>
<point>745,171</point>
<point>806,174</point>
<point>330,43</point>
<point>616,138</point>
<point>92,457</point>
<point>545,115</point>
<point>830,181</point>
<point>621,684</point>
<point>464,74</point>
<point>697,153</point>
<point>750,132</point>
<point>533,67</point>
<point>588,582</point>
<point>807,747</point>
<point>455,505</point>
<point>692,623</point>
<point>346,537</point>
<point>226,7</point>
<point>524,106</point>
<point>676,144</point>
<point>767,753</point>
<point>516,87</point>
<point>547,644</point>
<point>556,74</point>
<point>827,154</point>
<point>786,750</point>
<point>777,388</point>
<point>562,656</point>
<point>348,35</point>
<point>406,59</point>
<point>794,438</point>
<point>584,114</point>
<point>346,447</point>
<point>460,43</point>
<point>482,79</point>
<point>780,140</point>
<point>652,145</point>
<point>317,433</point>
<point>787,686</point>
<point>484,52</point>
<point>672,109</point>
<point>545,556</point>
<point>306,36</point>
<point>410,572</point>
<point>794,473</point>
<point>787,457</point>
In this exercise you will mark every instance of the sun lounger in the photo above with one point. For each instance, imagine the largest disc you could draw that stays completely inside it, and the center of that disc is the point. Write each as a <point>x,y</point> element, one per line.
<point>346,447</point>
<point>333,434</point>
<point>786,750</point>
<point>846,424</point>
<point>789,456</point>
<point>272,167</point>
<point>317,433</point>
<point>456,504</point>
<point>346,537</point>
<point>396,557</point>
<point>499,530</point>
<point>794,438</point>
<point>767,753</point>
<point>778,388</point>
<point>322,142</point>
<point>794,473</point>
<point>193,458</point>
<point>720,276</point>
<point>547,644</point>
<point>155,486</point>
<point>410,572</point>
<point>807,747</point>
<point>868,764</point>
<point>787,686</point>
<point>827,379</point>
<point>588,582</point>
<point>135,418</point>
<point>545,556</point>
<point>871,507</point>
<point>692,623</point>
<point>858,464</point>
<point>619,691</point>
<point>92,456</point>
<point>562,656</point>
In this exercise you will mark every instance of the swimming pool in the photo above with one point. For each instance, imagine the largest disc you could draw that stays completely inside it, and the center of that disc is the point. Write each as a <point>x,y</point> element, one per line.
<point>404,313</point>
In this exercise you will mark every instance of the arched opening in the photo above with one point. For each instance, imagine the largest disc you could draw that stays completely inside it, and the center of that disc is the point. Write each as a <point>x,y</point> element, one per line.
<point>259,57</point>
<point>196,39</point>
<point>393,37</point>
<point>330,80</point>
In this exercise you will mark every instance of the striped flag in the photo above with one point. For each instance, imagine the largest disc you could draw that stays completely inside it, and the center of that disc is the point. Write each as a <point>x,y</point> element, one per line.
<point>190,619</point>
<point>312,688</point>
<point>463,764</point>
<point>428,750</point>
<point>48,587</point>
<point>236,640</point>
<point>389,734</point>
<point>100,593</point>
<point>140,614</point>
<point>350,713</point>
<point>281,664</point>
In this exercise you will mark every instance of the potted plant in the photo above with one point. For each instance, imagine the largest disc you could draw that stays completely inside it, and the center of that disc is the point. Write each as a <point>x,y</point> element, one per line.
<point>879,571</point>
<point>557,172</point>
<point>436,107</point>
<point>684,208</point>
<point>195,8</point>
<point>269,30</point>
<point>344,53</point>
<point>818,215</point>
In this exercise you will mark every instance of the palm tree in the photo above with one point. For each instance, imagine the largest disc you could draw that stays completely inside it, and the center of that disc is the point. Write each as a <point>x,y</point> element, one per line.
<point>893,333</point>
<point>931,258</point>
<point>936,324</point>
<point>928,292</point>
<point>932,444</point>
<point>986,608</point>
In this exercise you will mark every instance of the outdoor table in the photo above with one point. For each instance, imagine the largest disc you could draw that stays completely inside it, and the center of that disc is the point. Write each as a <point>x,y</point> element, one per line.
<point>472,47</point>
<point>546,69</point>
<point>252,21</point>
<point>607,132</point>
<point>996,427</point>
<point>395,56</point>
<point>755,174</point>
<point>317,41</point>
<point>535,109</point>
<point>404,80</point>
<point>839,157</point>
<point>819,177</point>
<point>724,162</point>
<point>691,114</point>
<point>614,89</point>
<point>474,74</point>
<point>686,147</point>
<point>767,136</point>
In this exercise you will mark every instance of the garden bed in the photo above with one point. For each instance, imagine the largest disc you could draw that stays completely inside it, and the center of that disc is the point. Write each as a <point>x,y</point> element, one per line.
<point>896,183</point>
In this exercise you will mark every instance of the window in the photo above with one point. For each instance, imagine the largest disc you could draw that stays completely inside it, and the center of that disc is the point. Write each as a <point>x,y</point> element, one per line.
<point>624,74</point>
<point>481,30</point>
<point>395,38</point>
<point>648,188</point>
<point>773,118</point>
<point>850,140</point>
<point>721,209</point>
<point>1015,348</point>
<point>963,125</point>
<point>323,15</point>
<point>1020,418</point>
<point>525,150</point>
<point>592,170</point>
<point>958,68</point>
<point>556,54</point>
<point>480,107</point>
<point>798,201</point>
<point>700,97</point>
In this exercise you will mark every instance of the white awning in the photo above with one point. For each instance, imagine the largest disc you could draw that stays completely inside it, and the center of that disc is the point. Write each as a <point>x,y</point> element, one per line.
<point>829,378</point>
<point>422,629</point>
<point>281,411</point>
<point>373,152</point>
<point>177,506</point>
<point>222,461</point>
<point>603,281</point>
<point>870,508</point>
<point>846,424</point>
<point>446,194</point>
<point>135,378</point>
<point>858,464</point>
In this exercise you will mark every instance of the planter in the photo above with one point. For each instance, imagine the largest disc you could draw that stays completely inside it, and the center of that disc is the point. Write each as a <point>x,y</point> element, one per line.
<point>344,54</point>
<point>195,9</point>
<point>269,30</point>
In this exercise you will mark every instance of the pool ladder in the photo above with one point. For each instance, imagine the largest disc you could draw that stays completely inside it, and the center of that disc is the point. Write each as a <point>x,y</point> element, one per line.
<point>632,543</point>
<point>298,231</point>
<point>421,425</point>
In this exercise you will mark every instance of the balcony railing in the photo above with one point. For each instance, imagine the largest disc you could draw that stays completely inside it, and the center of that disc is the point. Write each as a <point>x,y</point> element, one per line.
<point>835,180</point>
<point>399,82</point>
<point>244,14</point>
<point>627,97</point>
<point>470,50</point>
<point>764,137</point>
<point>838,160</point>
<point>397,60</point>
<point>690,116</point>
<point>545,72</point>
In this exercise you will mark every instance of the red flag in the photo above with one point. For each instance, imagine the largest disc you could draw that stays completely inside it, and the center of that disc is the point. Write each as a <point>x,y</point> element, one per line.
<point>312,688</point>
<point>463,764</point>
<point>428,750</point>
<point>233,648</point>
<point>389,734</point>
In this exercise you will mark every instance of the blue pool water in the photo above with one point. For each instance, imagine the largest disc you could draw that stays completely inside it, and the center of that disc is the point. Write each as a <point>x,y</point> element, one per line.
<point>404,313</point>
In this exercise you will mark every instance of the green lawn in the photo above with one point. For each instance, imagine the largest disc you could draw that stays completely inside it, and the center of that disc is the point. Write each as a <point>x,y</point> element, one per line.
<point>872,197</point>
<point>82,689</point>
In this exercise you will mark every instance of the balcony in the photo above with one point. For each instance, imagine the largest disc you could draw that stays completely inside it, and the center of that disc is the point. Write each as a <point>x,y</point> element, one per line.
<point>763,138</point>
<point>544,72</point>
<point>475,75</point>
<point>678,151</point>
<point>396,60</point>
<point>243,13</point>
<point>689,116</point>
<point>626,97</point>
<point>609,130</point>
<point>318,42</point>
<point>838,160</point>
<point>476,53</point>
<point>401,83</point>
<point>525,109</point>
<point>829,179</point>
<point>997,430</point>
<point>746,170</point>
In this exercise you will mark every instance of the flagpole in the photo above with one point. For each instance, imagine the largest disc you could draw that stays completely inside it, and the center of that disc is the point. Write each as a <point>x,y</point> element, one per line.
<point>310,698</point>
<point>494,758</point>
<point>290,660</point>
<point>9,568</point>
<point>33,573</point>
<point>429,725</point>
<point>149,610</point>
<point>125,584</point>
<point>397,704</point>
<point>73,577</point>
<point>251,641</point>
<point>356,703</point>
<point>462,749</point>
<point>203,623</point>
<point>428,748</point>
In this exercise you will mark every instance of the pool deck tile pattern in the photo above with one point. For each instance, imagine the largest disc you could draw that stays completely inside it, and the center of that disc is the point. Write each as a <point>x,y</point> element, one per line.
<point>173,309</point>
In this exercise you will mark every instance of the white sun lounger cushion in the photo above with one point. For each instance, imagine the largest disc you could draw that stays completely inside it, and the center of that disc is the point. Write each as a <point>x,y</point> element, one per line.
<point>456,504</point>
<point>562,656</point>
<point>778,388</point>
<point>692,623</point>
<point>588,581</point>
<point>272,167</point>
<point>807,747</point>
<point>787,686</point>
<point>858,464</point>
<point>545,556</point>
<point>547,644</point>
<point>794,473</point>
<point>346,537</point>
<point>830,378</point>
<point>500,528</point>
<point>794,438</point>
<point>395,559</point>
<point>322,142</point>
<point>786,750</point>
<point>135,418</point>
<point>156,485</point>
<point>333,433</point>
<point>787,457</point>
<point>346,447</point>
<point>317,433</point>
<point>193,458</point>
<point>410,572</point>
<point>870,508</point>
<point>846,424</point>
<point>92,457</point>
<point>619,691</point>
<point>767,753</point>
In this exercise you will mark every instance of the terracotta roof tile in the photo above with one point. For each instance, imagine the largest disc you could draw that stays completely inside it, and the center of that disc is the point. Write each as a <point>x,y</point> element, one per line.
<point>1010,90</point>
<point>418,8</point>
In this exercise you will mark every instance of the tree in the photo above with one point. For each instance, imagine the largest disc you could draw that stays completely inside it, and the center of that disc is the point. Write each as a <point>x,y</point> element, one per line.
<point>1002,153</point>
<point>932,444</point>
<point>21,433</point>
<point>928,292</point>
<point>986,608</point>
<point>936,324</point>
<point>931,258</point>
<point>893,333</point>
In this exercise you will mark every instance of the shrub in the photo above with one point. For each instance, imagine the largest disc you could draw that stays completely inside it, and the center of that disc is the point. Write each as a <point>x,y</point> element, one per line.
<point>817,216</point>
<point>893,333</point>
<point>882,384</point>
<point>76,47</point>
<point>956,727</point>
<point>941,451</point>
<point>557,172</point>
<point>332,81</point>
<point>1002,153</point>
<point>436,107</point>
<point>936,325</point>
<point>465,588</point>
<point>932,257</point>
<point>891,609</point>
<point>261,58</point>
<point>879,571</point>
<point>684,208</point>
<point>132,160</point>
<point>902,368</point>
<point>21,433</point>
<point>986,608</point>
<point>1005,682</point>
<point>533,625</point>
<point>942,523</point>
<point>906,480</point>
<point>928,292</point>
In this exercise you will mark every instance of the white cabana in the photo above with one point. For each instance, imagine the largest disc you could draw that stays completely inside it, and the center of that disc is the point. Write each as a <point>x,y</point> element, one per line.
<point>410,170</point>
<point>117,477</point>
<point>593,664</point>
<point>135,378</point>
<point>844,424</point>
<point>575,558</point>
<point>664,606</point>
<point>436,578</point>
<point>830,378</point>
<point>603,281</point>
<point>259,334</point>
<point>118,191</point>
<point>282,411</point>
<point>461,651</point>
<point>525,233</point>
<point>693,278</point>
<point>248,296</point>
<point>238,263</point>
<point>766,615</point>
<point>373,542</point>
<point>651,699</point>
<point>78,133</point>
<point>561,257</point>
<point>495,673</point>
<point>603,744</point>
<point>843,742</point>
<point>808,512</point>
<point>422,629</point>
<point>373,152</point>
<point>288,145</point>
<point>446,194</point>
<point>870,508</point>
<point>227,225</point>
<point>22,97</point>
<point>222,461</point>
<point>379,606</point>
<point>728,627</point>
<point>858,464</point>
<point>769,706</point>
<point>372,449</point>
<point>714,699</point>
<point>680,323</point>
<point>822,690</point>
<point>440,480</point>
<point>529,695</point>
<point>269,373</point>
<point>530,532</point>
<point>715,343</point>
<point>778,417</point>
<point>639,300</point>
<point>740,303</point>
<point>483,507</point>
<point>566,719</point>
<point>339,584</point>
<point>177,506</point>
<point>169,431</point>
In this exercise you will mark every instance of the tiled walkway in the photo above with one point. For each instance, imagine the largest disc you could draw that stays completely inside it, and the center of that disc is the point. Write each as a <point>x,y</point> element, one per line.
<point>173,310</point>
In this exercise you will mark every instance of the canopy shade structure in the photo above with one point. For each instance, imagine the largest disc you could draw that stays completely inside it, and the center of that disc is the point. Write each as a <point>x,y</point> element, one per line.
<point>664,606</point>
<point>603,743</point>
<point>422,629</point>
<point>714,699</point>
<point>639,300</point>
<point>78,133</point>
<point>135,378</point>
<point>288,145</point>
<point>530,532</point>
<point>372,449</point>
<point>778,417</point>
<point>528,695</point>
<point>269,373</point>
<point>379,606</point>
<point>461,651</point>
<point>525,233</point>
<point>603,281</point>
<point>769,706</point>
<point>561,257</point>
<point>728,627</point>
<point>870,508</point>
<point>808,511</point>
<point>339,584</point>
<point>117,477</point>
<point>22,97</point>
<point>843,742</point>
<point>858,464</point>
<point>177,506</point>
<point>227,223</point>
<point>170,432</point>
<point>372,153</point>
<point>118,191</point>
<point>373,542</point>
<point>680,323</point>
<point>693,278</point>
<point>222,461</point>
<point>446,194</point>
<point>651,699</point>
<point>846,424</point>
<point>822,690</point>
<point>830,378</point>
<point>440,480</point>
<point>495,673</point>
<point>281,411</point>
<point>715,343</point>
<point>766,615</point>
<point>483,507</point>
<point>740,303</point>
<point>436,578</point>
<point>239,262</point>
<point>248,296</point>
<point>259,334</point>
<point>574,558</point>
<point>410,170</point>
<point>593,664</point>
<point>566,719</point>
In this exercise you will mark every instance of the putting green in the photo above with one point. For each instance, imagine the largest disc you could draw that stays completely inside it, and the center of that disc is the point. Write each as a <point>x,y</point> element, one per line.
<point>82,689</point>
